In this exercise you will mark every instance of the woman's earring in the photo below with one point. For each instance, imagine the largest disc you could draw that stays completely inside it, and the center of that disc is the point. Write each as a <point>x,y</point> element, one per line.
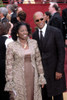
<point>17,35</point>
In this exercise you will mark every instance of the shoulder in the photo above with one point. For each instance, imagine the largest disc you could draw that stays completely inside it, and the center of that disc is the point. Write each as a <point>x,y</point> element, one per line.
<point>64,10</point>
<point>8,40</point>
<point>3,38</point>
<point>34,33</point>
<point>12,44</point>
<point>53,30</point>
<point>33,41</point>
<point>56,16</point>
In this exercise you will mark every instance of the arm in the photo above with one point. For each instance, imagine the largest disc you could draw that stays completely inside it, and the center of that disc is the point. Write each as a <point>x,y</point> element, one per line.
<point>60,53</point>
<point>9,69</point>
<point>39,66</point>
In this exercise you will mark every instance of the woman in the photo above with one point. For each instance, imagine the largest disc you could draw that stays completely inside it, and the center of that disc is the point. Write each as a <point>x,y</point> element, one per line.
<point>24,71</point>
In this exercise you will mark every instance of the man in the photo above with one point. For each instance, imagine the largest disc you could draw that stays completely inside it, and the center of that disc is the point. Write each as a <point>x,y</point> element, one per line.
<point>56,19</point>
<point>4,29</point>
<point>51,47</point>
<point>12,14</point>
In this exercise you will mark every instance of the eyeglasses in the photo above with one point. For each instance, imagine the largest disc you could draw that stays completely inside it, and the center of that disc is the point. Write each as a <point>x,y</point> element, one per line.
<point>39,19</point>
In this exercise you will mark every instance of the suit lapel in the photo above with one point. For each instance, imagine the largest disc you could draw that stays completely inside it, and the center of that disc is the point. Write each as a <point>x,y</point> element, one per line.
<point>46,37</point>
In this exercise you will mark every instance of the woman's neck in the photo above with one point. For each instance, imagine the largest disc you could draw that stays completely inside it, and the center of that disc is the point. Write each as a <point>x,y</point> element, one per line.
<point>23,40</point>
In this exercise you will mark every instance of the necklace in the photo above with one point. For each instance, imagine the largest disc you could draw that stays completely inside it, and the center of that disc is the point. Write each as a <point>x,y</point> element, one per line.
<point>25,46</point>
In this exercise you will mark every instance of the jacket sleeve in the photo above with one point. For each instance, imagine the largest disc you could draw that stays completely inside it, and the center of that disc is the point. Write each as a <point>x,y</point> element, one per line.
<point>39,66</point>
<point>9,69</point>
<point>60,51</point>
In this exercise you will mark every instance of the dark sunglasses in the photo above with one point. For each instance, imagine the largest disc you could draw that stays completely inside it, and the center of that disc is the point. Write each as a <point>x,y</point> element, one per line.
<point>39,19</point>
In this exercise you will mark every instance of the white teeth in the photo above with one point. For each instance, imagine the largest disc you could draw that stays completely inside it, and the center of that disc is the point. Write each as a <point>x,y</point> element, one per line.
<point>25,35</point>
<point>41,24</point>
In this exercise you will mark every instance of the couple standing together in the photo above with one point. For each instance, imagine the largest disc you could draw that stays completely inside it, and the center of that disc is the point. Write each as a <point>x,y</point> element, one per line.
<point>24,71</point>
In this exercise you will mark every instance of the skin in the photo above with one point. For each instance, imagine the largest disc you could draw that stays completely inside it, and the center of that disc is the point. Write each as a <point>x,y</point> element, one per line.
<point>46,17</point>
<point>19,9</point>
<point>23,35</point>
<point>40,25</point>
<point>52,9</point>
<point>37,16</point>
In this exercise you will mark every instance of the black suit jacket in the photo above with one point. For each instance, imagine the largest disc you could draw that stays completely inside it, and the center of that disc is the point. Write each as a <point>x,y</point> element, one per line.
<point>56,21</point>
<point>14,18</point>
<point>64,15</point>
<point>53,54</point>
<point>2,62</point>
<point>3,94</point>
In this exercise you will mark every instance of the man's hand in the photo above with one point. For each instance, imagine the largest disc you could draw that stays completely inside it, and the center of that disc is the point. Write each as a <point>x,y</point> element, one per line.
<point>58,75</point>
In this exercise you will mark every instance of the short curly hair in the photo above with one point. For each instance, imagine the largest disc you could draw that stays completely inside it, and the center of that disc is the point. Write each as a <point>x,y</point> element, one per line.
<point>16,28</point>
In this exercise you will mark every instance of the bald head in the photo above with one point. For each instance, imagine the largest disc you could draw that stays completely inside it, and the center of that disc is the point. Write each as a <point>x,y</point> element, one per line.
<point>39,19</point>
<point>37,14</point>
<point>19,9</point>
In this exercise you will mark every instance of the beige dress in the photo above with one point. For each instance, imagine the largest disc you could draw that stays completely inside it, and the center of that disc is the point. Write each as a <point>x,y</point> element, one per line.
<point>29,75</point>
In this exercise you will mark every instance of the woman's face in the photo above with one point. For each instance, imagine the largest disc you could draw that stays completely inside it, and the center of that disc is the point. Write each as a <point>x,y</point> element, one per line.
<point>23,32</point>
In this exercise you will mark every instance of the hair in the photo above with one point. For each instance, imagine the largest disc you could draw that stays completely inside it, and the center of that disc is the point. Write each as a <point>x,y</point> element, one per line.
<point>4,11</point>
<point>16,28</point>
<point>21,15</point>
<point>59,9</point>
<point>1,29</point>
<point>14,7</point>
<point>4,27</point>
<point>19,9</point>
<point>48,14</point>
<point>10,7</point>
<point>56,7</point>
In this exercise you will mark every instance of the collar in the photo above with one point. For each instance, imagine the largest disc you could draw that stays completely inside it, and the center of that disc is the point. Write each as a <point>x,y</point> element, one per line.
<point>43,29</point>
<point>6,35</point>
<point>11,13</point>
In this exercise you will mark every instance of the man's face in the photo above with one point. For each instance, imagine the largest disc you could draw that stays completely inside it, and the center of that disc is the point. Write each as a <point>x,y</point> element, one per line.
<point>39,20</point>
<point>50,9</point>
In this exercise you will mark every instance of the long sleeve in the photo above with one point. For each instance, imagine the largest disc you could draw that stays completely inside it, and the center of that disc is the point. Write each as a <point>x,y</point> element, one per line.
<point>9,69</point>
<point>42,79</point>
